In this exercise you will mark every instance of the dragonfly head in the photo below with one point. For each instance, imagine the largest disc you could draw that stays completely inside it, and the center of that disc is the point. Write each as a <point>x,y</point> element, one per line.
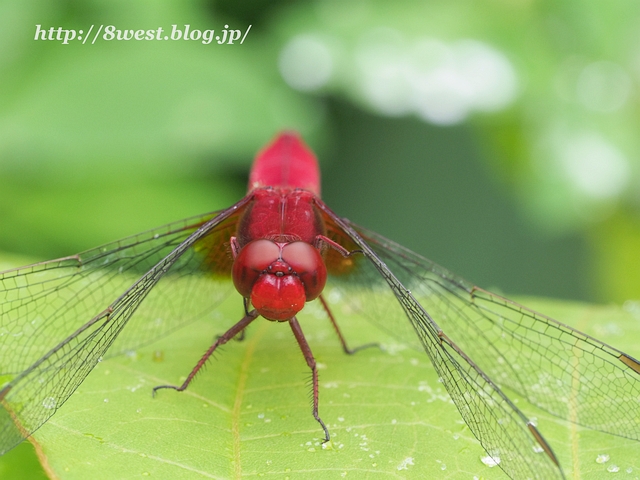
<point>279,277</point>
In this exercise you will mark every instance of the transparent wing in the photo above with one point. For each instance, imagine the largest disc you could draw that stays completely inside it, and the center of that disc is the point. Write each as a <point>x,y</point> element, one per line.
<point>481,344</point>
<point>58,318</point>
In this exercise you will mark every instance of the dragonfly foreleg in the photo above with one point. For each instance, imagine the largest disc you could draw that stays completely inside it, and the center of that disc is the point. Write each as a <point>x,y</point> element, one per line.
<point>308,356</point>
<point>228,335</point>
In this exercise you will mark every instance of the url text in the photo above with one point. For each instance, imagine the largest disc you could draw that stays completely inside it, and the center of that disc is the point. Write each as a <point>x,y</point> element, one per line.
<point>110,32</point>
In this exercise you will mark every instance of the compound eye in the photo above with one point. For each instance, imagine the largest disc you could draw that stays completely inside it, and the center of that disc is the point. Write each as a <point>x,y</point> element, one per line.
<point>252,260</point>
<point>308,264</point>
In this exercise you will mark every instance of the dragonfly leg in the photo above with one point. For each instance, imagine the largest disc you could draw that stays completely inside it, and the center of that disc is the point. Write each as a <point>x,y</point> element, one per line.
<point>308,356</point>
<point>345,347</point>
<point>321,239</point>
<point>228,335</point>
<point>242,334</point>
<point>235,246</point>
<point>246,305</point>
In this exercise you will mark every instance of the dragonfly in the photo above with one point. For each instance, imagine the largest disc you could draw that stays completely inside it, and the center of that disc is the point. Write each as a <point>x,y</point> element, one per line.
<point>279,248</point>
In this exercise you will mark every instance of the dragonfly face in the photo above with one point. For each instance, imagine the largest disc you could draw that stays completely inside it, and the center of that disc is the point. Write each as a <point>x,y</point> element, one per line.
<point>279,278</point>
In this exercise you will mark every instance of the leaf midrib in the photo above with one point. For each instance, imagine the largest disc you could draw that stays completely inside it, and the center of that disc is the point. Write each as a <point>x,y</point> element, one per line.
<point>240,391</point>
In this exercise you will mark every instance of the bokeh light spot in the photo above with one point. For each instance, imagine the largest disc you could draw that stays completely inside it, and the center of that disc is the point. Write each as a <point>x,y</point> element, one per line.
<point>595,166</point>
<point>438,81</point>
<point>603,87</point>
<point>306,63</point>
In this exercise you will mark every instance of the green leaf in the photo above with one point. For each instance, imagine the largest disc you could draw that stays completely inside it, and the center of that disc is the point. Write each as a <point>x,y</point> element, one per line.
<point>249,412</point>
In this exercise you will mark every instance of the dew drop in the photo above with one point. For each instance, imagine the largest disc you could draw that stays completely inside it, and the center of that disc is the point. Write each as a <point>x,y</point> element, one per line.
<point>613,468</point>
<point>490,461</point>
<point>49,403</point>
<point>602,458</point>
<point>404,465</point>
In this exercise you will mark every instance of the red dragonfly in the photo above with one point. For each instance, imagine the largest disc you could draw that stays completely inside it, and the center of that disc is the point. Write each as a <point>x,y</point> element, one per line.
<point>281,245</point>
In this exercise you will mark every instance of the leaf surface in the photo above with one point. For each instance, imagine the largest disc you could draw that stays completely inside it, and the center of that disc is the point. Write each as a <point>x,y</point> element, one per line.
<point>248,413</point>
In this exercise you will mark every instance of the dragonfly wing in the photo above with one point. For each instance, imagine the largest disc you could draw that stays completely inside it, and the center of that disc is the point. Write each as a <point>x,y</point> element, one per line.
<point>58,318</point>
<point>196,283</point>
<point>393,289</point>
<point>561,370</point>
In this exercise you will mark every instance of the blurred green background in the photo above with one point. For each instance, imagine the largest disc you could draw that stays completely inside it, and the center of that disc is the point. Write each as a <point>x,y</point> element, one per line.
<point>498,138</point>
